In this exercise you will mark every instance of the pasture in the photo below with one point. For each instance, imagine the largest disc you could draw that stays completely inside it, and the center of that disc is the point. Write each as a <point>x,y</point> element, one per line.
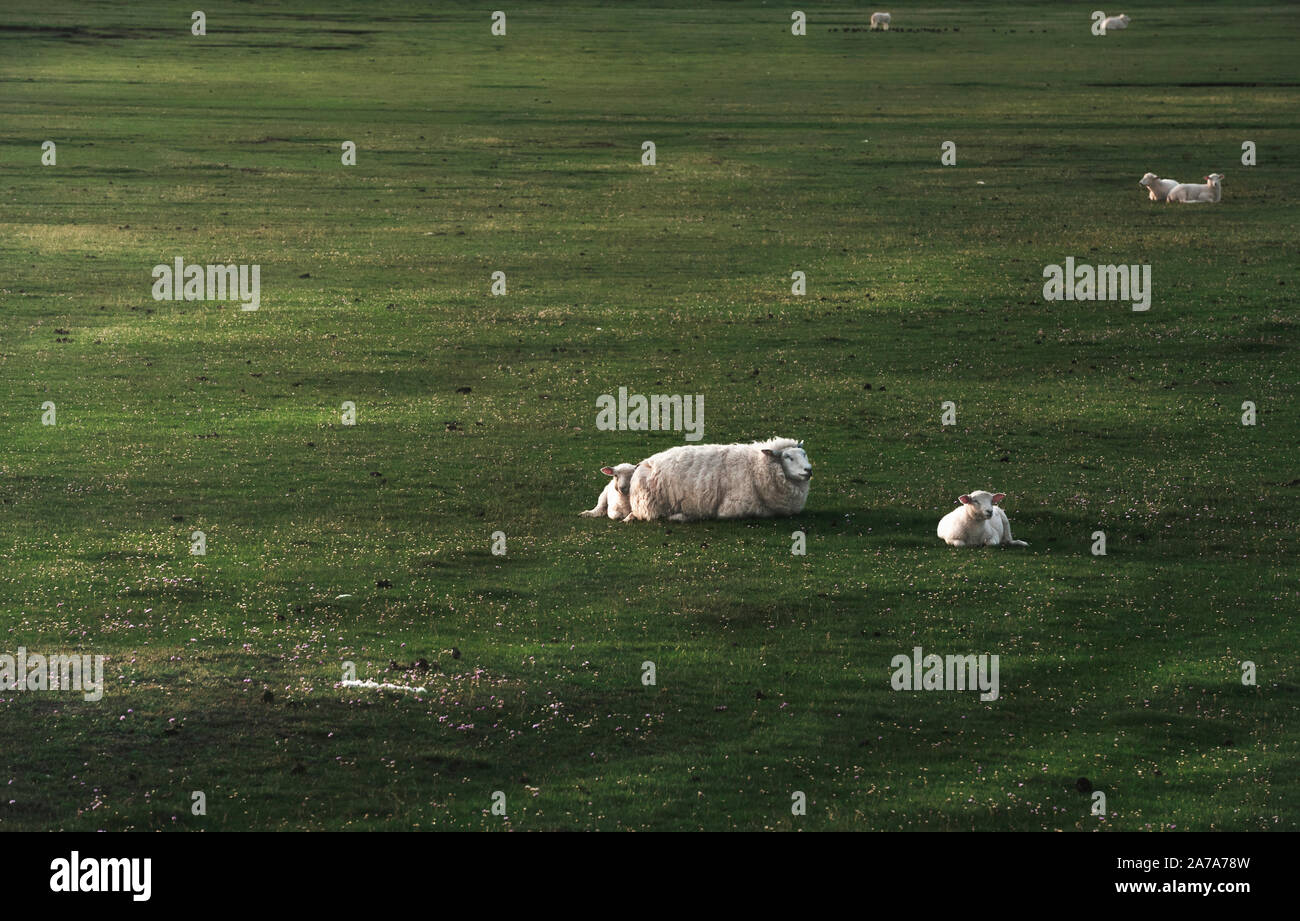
<point>372,543</point>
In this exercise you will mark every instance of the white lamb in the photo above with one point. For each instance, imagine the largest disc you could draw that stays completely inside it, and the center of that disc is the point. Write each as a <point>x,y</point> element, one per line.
<point>1157,188</point>
<point>613,499</point>
<point>978,522</point>
<point>880,21</point>
<point>1114,23</point>
<point>1191,193</point>
<point>690,482</point>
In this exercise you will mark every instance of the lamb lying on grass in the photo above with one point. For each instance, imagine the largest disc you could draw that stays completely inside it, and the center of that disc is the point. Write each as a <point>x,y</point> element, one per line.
<point>613,500</point>
<point>1115,23</point>
<point>978,522</point>
<point>1191,193</point>
<point>759,480</point>
<point>1157,188</point>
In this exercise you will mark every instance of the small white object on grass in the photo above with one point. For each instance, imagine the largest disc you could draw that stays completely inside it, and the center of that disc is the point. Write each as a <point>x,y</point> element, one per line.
<point>382,686</point>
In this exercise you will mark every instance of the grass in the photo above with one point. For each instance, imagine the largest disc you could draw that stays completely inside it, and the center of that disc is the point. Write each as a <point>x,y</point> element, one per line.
<point>521,154</point>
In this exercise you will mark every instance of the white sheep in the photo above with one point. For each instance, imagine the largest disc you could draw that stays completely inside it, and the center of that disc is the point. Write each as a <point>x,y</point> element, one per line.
<point>1156,187</point>
<point>978,522</point>
<point>880,21</point>
<point>689,482</point>
<point>1114,23</point>
<point>1191,193</point>
<point>613,499</point>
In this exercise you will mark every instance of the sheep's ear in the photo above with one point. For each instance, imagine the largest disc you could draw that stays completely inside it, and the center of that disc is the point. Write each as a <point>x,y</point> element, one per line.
<point>799,445</point>
<point>775,455</point>
<point>608,471</point>
<point>964,500</point>
<point>998,497</point>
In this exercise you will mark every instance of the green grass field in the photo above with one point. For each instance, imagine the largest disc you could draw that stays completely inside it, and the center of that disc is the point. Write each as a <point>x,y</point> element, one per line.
<point>476,413</point>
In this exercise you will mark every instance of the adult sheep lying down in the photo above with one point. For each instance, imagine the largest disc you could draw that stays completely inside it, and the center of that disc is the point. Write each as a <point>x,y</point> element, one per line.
<point>759,480</point>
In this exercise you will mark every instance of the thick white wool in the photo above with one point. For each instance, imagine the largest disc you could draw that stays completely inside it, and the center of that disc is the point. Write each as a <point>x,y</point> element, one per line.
<point>690,482</point>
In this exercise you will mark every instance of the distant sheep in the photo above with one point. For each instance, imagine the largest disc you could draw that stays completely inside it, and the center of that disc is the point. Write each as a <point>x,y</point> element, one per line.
<point>880,21</point>
<point>1192,193</point>
<point>613,499</point>
<point>978,522</point>
<point>1115,23</point>
<point>690,482</point>
<point>1156,187</point>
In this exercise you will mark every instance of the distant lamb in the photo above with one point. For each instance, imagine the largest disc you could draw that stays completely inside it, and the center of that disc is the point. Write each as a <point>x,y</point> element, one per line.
<point>1156,187</point>
<point>880,21</point>
<point>613,499</point>
<point>978,522</point>
<point>1191,193</point>
<point>1114,23</point>
<point>759,480</point>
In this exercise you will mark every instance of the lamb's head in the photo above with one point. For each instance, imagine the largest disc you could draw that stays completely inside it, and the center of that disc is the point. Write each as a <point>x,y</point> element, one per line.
<point>979,504</point>
<point>1214,178</point>
<point>794,462</point>
<point>1124,18</point>
<point>1148,179</point>
<point>622,475</point>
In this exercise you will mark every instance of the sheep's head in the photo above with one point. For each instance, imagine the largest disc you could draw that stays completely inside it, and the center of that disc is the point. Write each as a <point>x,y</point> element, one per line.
<point>979,504</point>
<point>794,462</point>
<point>1214,178</point>
<point>1148,179</point>
<point>622,475</point>
<point>1124,18</point>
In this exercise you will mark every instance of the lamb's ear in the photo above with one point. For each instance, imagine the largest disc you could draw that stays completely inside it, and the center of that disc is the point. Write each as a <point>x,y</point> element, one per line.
<point>775,455</point>
<point>608,471</point>
<point>799,445</point>
<point>964,500</point>
<point>998,497</point>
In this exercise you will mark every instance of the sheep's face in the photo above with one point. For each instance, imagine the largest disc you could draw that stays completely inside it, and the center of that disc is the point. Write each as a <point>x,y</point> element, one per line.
<point>622,475</point>
<point>979,504</point>
<point>794,463</point>
<point>1125,19</point>
<point>1214,178</point>
<point>1148,179</point>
